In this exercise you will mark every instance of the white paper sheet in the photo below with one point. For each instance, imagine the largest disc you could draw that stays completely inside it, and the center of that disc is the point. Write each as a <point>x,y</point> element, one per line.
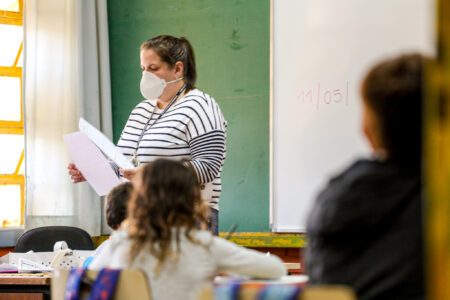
<point>104,144</point>
<point>29,266</point>
<point>94,166</point>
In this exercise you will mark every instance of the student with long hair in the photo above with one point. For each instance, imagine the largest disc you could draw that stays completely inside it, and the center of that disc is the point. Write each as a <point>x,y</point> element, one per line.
<point>162,237</point>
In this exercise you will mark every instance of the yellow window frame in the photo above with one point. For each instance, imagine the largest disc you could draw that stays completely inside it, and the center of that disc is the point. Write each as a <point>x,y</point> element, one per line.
<point>14,127</point>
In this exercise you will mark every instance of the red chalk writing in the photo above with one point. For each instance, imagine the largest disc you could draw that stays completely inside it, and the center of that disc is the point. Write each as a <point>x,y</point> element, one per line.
<point>322,96</point>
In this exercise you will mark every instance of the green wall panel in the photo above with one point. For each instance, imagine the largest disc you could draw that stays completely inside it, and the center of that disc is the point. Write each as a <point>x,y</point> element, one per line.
<point>231,40</point>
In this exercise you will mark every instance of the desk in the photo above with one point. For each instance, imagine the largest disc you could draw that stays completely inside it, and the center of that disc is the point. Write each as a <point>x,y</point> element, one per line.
<point>287,246</point>
<point>292,266</point>
<point>25,286</point>
<point>297,280</point>
<point>248,289</point>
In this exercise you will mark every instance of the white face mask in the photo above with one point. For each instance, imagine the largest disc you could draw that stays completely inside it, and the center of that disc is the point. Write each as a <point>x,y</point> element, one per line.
<point>152,86</point>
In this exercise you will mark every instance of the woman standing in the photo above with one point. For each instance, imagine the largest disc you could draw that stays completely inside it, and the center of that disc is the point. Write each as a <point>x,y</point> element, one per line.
<point>176,121</point>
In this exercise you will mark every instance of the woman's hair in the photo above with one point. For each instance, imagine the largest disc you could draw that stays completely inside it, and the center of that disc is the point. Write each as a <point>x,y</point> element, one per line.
<point>117,203</point>
<point>393,91</point>
<point>171,50</point>
<point>166,202</point>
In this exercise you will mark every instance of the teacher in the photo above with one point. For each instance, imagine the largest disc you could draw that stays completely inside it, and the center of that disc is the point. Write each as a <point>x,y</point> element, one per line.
<point>176,121</point>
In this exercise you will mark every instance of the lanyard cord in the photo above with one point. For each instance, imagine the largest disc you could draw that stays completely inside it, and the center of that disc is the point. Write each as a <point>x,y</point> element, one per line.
<point>135,162</point>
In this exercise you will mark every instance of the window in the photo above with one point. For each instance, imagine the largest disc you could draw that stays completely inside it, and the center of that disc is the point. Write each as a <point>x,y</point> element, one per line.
<point>12,179</point>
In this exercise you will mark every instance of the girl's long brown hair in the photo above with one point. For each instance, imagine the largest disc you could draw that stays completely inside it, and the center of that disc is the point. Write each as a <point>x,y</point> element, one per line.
<point>166,199</point>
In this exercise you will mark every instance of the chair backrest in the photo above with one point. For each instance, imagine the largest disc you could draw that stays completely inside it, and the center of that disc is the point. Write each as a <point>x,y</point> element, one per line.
<point>132,284</point>
<point>43,239</point>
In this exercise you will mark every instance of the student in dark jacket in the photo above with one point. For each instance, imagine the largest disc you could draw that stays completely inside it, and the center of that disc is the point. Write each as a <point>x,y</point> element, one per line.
<point>365,228</point>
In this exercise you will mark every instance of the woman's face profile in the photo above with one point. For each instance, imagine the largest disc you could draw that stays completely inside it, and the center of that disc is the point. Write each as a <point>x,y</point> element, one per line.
<point>151,62</point>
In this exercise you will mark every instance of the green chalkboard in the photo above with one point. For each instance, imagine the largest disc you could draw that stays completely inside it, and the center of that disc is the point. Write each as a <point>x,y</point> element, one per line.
<point>231,40</point>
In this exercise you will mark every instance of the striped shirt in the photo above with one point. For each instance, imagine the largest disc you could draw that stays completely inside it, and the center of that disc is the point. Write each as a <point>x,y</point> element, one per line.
<point>193,128</point>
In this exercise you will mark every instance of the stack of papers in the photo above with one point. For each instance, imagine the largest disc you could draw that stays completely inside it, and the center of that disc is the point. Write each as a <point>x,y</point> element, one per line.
<point>96,157</point>
<point>29,266</point>
<point>8,268</point>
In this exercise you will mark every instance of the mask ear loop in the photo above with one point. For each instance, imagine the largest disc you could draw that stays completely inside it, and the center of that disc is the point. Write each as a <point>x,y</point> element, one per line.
<point>175,80</point>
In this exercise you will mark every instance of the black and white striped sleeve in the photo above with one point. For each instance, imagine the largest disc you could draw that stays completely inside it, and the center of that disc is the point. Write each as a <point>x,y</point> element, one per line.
<point>206,134</point>
<point>208,153</point>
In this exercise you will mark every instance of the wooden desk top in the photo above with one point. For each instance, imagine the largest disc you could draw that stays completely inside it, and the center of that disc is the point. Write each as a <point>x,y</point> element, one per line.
<point>298,280</point>
<point>25,279</point>
<point>292,266</point>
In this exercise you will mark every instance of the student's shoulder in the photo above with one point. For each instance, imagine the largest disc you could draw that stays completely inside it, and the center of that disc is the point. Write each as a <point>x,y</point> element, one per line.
<point>369,171</point>
<point>360,167</point>
<point>359,170</point>
<point>358,176</point>
<point>206,238</point>
<point>342,198</point>
<point>114,250</point>
<point>362,178</point>
<point>119,238</point>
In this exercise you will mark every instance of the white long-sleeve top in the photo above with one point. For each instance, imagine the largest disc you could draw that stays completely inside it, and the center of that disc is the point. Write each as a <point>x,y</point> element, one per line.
<point>195,267</point>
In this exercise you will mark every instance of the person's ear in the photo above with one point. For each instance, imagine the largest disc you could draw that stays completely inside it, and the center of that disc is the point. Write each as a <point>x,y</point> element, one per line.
<point>368,133</point>
<point>371,129</point>
<point>179,69</point>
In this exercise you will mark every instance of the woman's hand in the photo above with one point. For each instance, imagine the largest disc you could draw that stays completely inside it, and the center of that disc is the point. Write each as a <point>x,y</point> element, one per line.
<point>130,174</point>
<point>75,174</point>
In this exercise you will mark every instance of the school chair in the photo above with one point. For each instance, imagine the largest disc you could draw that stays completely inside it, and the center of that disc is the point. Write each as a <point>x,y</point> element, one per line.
<point>132,284</point>
<point>42,239</point>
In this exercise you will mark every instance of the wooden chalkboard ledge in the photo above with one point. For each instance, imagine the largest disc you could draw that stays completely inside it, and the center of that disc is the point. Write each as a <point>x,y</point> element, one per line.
<point>252,239</point>
<point>267,239</point>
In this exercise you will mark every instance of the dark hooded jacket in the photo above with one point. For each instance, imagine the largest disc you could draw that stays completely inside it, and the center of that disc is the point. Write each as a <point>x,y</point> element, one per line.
<point>365,231</point>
